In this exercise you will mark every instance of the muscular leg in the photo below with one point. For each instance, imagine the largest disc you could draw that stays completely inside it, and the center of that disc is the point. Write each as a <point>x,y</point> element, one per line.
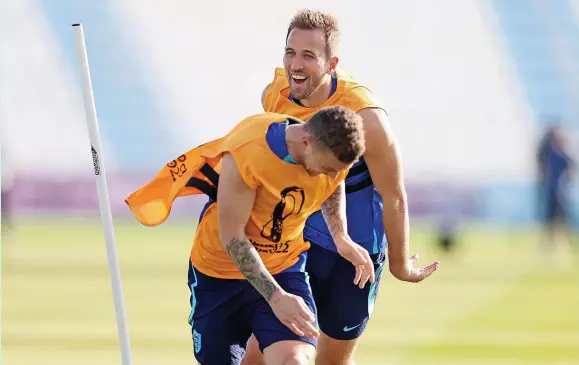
<point>330,352</point>
<point>253,355</point>
<point>289,353</point>
<point>335,352</point>
<point>331,303</point>
<point>280,346</point>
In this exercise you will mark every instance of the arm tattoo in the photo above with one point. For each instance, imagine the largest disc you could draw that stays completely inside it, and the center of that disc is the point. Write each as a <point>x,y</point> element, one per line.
<point>334,211</point>
<point>251,266</point>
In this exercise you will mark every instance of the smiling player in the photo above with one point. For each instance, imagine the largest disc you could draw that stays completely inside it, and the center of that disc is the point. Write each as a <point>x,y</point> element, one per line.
<point>376,198</point>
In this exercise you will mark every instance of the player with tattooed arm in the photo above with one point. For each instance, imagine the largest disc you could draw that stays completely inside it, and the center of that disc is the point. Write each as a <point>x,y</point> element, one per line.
<point>376,198</point>
<point>247,264</point>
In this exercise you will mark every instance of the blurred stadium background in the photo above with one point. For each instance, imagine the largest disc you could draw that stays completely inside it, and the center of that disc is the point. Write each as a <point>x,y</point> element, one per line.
<point>470,86</point>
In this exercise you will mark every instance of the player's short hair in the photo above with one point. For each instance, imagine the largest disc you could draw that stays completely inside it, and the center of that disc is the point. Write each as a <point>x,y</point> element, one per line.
<point>340,130</point>
<point>314,19</point>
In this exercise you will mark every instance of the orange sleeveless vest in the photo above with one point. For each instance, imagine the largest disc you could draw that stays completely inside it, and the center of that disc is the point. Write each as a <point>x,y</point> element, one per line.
<point>348,93</point>
<point>285,196</point>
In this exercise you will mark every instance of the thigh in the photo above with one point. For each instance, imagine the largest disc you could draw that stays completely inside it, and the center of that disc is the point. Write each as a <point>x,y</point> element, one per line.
<point>219,327</point>
<point>253,355</point>
<point>289,352</point>
<point>350,308</point>
<point>267,329</point>
<point>335,352</point>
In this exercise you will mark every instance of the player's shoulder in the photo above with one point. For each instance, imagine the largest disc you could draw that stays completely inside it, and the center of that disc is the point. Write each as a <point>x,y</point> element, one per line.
<point>344,75</point>
<point>373,115</point>
<point>263,118</point>
<point>252,128</point>
<point>357,97</point>
<point>376,123</point>
<point>372,110</point>
<point>352,85</point>
<point>249,152</point>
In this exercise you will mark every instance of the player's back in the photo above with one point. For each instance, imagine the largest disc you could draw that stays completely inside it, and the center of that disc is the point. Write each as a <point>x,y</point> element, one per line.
<point>285,196</point>
<point>363,203</point>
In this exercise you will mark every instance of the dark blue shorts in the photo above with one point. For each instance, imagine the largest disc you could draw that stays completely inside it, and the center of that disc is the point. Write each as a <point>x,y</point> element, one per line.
<point>343,308</point>
<point>224,313</point>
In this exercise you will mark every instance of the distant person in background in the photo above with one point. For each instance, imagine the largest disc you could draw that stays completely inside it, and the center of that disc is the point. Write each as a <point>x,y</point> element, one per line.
<point>446,236</point>
<point>554,165</point>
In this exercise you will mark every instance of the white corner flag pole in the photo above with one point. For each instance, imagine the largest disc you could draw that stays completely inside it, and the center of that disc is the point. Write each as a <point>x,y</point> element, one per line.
<point>103,194</point>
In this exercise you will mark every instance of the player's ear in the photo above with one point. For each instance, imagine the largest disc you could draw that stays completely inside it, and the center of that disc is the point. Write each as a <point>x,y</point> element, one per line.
<point>333,64</point>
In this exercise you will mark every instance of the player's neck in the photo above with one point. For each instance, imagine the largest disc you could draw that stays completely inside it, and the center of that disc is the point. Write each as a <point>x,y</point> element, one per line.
<point>320,95</point>
<point>293,135</point>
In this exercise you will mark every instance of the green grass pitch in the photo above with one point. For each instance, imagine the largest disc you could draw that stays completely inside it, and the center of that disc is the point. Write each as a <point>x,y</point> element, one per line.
<point>496,300</point>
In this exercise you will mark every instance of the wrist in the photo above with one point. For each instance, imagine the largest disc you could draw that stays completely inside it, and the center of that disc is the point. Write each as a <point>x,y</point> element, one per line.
<point>276,296</point>
<point>342,239</point>
<point>399,271</point>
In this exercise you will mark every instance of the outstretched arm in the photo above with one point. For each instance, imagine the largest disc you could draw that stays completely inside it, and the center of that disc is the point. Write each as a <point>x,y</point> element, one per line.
<point>334,212</point>
<point>383,159</point>
<point>235,204</point>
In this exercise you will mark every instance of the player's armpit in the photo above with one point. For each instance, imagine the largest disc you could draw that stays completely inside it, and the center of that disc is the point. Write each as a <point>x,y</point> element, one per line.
<point>235,203</point>
<point>384,162</point>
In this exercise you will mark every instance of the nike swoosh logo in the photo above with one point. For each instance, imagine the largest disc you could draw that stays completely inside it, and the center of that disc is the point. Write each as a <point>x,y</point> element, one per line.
<point>348,329</point>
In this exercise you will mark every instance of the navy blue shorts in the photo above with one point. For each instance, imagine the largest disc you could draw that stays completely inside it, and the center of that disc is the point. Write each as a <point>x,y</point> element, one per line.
<point>225,312</point>
<point>343,308</point>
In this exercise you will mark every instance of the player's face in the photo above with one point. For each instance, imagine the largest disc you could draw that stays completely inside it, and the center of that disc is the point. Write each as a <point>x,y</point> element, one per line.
<point>319,160</point>
<point>305,61</point>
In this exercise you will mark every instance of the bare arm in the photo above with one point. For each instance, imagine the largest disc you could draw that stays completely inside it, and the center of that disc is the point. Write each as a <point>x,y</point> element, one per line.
<point>384,162</point>
<point>235,204</point>
<point>334,212</point>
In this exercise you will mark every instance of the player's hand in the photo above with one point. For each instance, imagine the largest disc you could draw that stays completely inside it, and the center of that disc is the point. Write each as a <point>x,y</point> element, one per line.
<point>416,275</point>
<point>360,258</point>
<point>293,312</point>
